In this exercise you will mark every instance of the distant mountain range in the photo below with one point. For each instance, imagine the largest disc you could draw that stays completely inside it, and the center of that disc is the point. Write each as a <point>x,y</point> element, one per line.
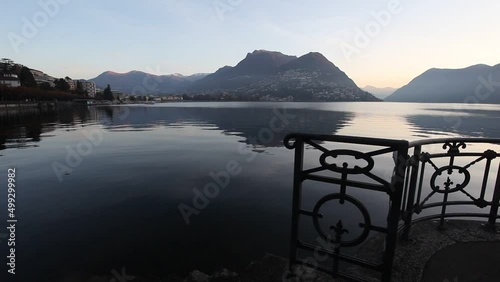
<point>142,82</point>
<point>380,93</point>
<point>261,75</point>
<point>475,84</point>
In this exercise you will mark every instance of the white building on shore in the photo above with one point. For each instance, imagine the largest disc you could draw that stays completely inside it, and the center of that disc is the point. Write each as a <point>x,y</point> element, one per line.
<point>10,80</point>
<point>71,83</point>
<point>89,87</point>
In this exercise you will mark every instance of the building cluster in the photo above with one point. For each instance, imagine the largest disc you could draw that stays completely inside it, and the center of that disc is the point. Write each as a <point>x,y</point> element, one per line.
<point>8,75</point>
<point>9,78</point>
<point>43,78</point>
<point>169,98</point>
<point>132,98</point>
<point>87,86</point>
<point>296,85</point>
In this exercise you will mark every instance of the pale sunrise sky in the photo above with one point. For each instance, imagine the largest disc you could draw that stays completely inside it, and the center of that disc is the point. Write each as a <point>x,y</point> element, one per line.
<point>83,38</point>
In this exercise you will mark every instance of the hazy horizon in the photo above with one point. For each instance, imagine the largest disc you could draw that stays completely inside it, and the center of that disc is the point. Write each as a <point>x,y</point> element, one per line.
<point>399,39</point>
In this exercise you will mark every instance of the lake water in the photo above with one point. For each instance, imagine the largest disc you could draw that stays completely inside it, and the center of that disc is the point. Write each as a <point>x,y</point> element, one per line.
<point>117,204</point>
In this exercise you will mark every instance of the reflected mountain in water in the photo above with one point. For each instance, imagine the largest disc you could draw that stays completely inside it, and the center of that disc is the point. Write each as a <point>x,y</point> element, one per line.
<point>462,122</point>
<point>258,126</point>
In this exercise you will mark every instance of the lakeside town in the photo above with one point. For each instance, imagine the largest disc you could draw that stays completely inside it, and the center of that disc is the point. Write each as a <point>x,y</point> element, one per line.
<point>312,78</point>
<point>20,83</point>
<point>17,76</point>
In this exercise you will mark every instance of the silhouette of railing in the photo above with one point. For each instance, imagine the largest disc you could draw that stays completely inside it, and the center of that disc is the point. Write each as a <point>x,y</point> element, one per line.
<point>402,178</point>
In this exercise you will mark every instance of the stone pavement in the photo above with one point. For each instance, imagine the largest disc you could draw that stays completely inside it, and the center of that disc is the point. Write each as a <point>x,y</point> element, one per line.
<point>465,262</point>
<point>463,252</point>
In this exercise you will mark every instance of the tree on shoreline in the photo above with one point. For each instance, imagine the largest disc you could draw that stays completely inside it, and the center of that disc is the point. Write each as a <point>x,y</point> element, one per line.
<point>45,86</point>
<point>108,94</point>
<point>26,78</point>
<point>61,85</point>
<point>79,89</point>
<point>6,66</point>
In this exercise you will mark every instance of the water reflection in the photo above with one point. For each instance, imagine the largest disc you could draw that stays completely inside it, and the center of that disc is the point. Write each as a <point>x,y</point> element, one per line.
<point>463,122</point>
<point>25,128</point>
<point>243,122</point>
<point>21,128</point>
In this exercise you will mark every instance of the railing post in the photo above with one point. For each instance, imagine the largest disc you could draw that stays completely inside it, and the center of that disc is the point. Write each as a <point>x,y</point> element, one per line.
<point>408,214</point>
<point>297,195</point>
<point>495,203</point>
<point>396,196</point>
<point>445,204</point>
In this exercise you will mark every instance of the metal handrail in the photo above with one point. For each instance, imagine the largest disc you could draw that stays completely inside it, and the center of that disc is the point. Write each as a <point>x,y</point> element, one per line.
<point>416,143</point>
<point>405,189</point>
<point>345,139</point>
<point>415,174</point>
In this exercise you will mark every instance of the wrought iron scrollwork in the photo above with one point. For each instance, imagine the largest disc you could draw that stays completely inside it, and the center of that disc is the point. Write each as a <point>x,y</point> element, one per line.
<point>289,142</point>
<point>339,229</point>
<point>453,153</point>
<point>409,191</point>
<point>448,183</point>
<point>454,147</point>
<point>345,166</point>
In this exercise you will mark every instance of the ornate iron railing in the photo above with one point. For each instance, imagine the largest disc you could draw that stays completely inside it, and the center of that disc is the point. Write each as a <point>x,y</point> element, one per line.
<point>418,196</point>
<point>401,180</point>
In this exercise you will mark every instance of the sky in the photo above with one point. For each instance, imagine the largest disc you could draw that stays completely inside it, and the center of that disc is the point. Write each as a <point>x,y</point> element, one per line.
<point>383,43</point>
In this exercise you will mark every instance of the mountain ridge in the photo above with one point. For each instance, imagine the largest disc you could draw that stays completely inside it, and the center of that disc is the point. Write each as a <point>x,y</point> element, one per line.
<point>310,77</point>
<point>130,82</point>
<point>470,84</point>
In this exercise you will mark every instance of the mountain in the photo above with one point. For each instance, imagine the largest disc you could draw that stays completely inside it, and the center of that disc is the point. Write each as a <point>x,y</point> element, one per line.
<point>262,62</point>
<point>142,83</point>
<point>273,75</point>
<point>254,67</point>
<point>380,93</point>
<point>261,75</point>
<point>475,84</point>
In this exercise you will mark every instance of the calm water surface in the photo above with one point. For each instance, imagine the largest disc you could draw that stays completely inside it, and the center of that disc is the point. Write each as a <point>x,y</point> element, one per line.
<point>119,206</point>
